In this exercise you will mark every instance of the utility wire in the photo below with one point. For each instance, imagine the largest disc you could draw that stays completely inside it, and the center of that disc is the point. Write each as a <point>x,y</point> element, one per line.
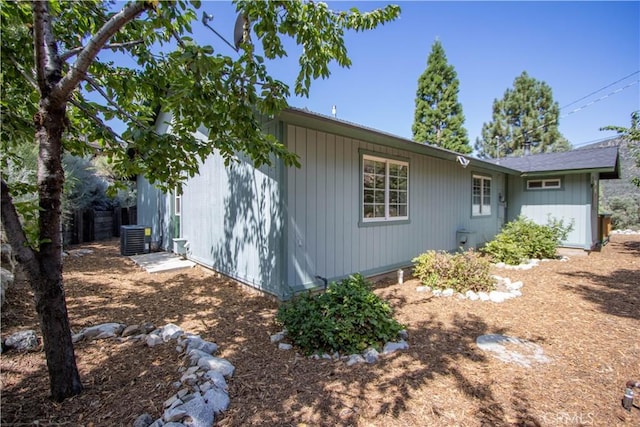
<point>620,89</point>
<point>601,89</point>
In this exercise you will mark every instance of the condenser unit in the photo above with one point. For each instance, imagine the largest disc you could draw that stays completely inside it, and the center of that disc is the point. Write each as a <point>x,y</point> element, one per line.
<point>134,239</point>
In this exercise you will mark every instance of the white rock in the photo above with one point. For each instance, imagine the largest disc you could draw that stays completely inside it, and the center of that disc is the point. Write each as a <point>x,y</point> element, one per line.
<point>197,343</point>
<point>515,285</point>
<point>217,379</point>
<point>153,340</point>
<point>170,401</point>
<point>205,386</point>
<point>497,296</point>
<point>217,364</point>
<point>277,337</point>
<point>170,332</point>
<point>143,420</point>
<point>390,347</point>
<point>174,414</point>
<point>483,296</point>
<point>189,379</point>
<point>403,334</point>
<point>284,346</point>
<point>422,288</point>
<point>354,359</point>
<point>448,292</point>
<point>371,355</point>
<point>157,423</point>
<point>471,295</point>
<point>78,337</point>
<point>436,292</point>
<point>195,355</point>
<point>110,329</point>
<point>218,399</point>
<point>501,265</point>
<point>516,293</point>
<point>22,341</point>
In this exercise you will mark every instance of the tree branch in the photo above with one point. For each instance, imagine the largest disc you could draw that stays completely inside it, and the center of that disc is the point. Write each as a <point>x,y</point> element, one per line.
<point>97,121</point>
<point>47,62</point>
<point>22,71</point>
<point>111,102</point>
<point>26,256</point>
<point>63,89</point>
<point>113,46</point>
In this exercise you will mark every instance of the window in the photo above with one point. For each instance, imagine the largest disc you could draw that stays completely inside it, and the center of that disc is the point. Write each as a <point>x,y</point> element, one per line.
<point>385,189</point>
<point>543,184</point>
<point>481,196</point>
<point>177,204</point>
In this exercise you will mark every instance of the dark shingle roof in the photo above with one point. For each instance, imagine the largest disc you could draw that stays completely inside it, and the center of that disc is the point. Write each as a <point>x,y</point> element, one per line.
<point>603,160</point>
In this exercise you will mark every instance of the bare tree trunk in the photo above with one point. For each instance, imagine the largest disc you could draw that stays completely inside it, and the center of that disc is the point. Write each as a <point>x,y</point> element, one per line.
<point>48,287</point>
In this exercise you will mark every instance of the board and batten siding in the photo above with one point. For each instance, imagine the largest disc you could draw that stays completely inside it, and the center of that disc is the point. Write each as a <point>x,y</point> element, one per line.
<point>324,234</point>
<point>232,219</point>
<point>571,203</point>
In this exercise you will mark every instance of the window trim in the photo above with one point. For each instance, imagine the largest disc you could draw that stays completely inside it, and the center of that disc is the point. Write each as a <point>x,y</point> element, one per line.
<point>482,179</point>
<point>388,160</point>
<point>542,185</point>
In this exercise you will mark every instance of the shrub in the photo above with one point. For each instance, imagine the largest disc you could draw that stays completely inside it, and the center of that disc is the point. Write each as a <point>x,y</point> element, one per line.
<point>522,239</point>
<point>625,212</point>
<point>465,271</point>
<point>348,318</point>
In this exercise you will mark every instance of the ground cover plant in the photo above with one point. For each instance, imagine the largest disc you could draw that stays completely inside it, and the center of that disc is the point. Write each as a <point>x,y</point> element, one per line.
<point>523,239</point>
<point>462,272</point>
<point>347,318</point>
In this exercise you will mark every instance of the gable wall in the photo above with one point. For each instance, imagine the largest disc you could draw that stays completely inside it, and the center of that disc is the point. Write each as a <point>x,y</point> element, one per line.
<point>571,203</point>
<point>324,237</point>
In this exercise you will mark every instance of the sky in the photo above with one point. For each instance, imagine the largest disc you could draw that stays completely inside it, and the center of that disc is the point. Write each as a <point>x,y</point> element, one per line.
<point>587,52</point>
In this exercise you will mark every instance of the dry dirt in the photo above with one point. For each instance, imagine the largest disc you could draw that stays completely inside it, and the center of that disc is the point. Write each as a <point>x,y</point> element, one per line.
<point>585,313</point>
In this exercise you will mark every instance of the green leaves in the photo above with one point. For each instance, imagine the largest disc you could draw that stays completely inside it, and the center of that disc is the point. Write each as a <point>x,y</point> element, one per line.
<point>347,318</point>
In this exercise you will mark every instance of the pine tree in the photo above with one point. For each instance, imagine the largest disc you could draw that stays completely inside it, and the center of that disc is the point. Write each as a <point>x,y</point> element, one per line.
<point>527,114</point>
<point>438,115</point>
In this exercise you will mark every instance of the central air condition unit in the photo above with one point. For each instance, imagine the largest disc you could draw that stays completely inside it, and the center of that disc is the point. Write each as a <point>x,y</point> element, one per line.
<point>134,239</point>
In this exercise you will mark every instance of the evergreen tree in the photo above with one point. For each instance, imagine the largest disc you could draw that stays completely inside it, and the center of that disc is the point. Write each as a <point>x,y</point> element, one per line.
<point>438,115</point>
<point>527,114</point>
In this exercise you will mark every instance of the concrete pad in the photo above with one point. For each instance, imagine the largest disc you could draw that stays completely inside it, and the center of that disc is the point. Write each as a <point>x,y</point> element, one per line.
<point>161,262</point>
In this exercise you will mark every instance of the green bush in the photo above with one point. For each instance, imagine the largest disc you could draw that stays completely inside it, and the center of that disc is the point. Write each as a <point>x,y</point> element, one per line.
<point>523,239</point>
<point>465,271</point>
<point>625,212</point>
<point>348,318</point>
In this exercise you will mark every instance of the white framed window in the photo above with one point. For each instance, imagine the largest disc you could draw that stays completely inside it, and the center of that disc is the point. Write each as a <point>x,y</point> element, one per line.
<point>481,196</point>
<point>544,184</point>
<point>385,189</point>
<point>177,204</point>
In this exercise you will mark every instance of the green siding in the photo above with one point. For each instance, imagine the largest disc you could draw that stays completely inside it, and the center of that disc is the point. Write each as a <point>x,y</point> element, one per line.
<point>323,208</point>
<point>571,203</point>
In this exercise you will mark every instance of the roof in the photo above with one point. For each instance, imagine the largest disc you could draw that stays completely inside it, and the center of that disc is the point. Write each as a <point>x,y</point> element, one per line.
<point>602,160</point>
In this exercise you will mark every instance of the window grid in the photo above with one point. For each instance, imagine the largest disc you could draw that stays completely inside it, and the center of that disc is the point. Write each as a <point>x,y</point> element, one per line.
<point>481,196</point>
<point>543,184</point>
<point>385,189</point>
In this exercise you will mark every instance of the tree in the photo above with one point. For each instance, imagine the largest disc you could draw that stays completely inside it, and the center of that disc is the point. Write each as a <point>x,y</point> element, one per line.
<point>632,136</point>
<point>526,115</point>
<point>438,116</point>
<point>50,62</point>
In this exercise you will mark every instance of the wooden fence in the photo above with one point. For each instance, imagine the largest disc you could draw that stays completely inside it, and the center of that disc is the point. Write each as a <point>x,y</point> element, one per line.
<point>90,225</point>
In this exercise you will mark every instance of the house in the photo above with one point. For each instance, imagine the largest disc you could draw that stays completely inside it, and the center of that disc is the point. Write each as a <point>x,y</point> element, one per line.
<point>362,201</point>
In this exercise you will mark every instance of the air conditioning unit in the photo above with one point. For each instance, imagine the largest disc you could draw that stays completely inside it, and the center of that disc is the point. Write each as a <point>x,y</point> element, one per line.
<point>134,239</point>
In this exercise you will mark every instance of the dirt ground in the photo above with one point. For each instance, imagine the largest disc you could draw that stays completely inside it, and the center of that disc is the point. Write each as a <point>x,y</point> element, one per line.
<point>585,313</point>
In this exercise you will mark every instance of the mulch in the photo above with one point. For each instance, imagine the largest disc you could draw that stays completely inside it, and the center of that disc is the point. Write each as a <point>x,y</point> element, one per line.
<point>584,313</point>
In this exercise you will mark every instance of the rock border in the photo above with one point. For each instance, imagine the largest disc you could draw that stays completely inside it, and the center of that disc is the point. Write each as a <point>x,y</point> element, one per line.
<point>370,355</point>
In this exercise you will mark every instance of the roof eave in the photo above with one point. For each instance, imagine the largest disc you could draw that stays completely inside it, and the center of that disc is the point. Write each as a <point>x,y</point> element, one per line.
<point>329,124</point>
<point>604,173</point>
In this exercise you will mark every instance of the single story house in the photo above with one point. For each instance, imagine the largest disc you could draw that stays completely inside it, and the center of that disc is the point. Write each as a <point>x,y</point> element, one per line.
<point>362,201</point>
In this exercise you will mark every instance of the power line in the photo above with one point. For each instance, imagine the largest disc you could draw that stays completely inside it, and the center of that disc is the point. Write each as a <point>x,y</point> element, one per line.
<point>601,89</point>
<point>599,99</point>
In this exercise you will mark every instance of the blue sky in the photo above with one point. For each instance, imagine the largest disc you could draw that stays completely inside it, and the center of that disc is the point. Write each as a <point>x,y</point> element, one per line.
<point>575,47</point>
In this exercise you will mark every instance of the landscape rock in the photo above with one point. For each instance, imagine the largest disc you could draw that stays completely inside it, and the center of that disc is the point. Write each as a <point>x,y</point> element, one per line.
<point>105,330</point>
<point>515,285</point>
<point>277,337</point>
<point>131,330</point>
<point>143,420</point>
<point>371,355</point>
<point>170,332</point>
<point>22,341</point>
<point>153,340</point>
<point>218,399</point>
<point>197,343</point>
<point>354,359</point>
<point>512,349</point>
<point>217,379</point>
<point>216,364</point>
<point>195,355</point>
<point>6,280</point>
<point>448,292</point>
<point>284,346</point>
<point>390,347</point>
<point>157,423</point>
<point>174,414</point>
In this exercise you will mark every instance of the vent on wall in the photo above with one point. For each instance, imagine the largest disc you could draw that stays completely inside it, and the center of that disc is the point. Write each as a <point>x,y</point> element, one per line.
<point>134,239</point>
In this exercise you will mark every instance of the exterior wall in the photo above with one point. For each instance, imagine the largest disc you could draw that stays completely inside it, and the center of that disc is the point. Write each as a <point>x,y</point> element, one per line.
<point>572,202</point>
<point>233,222</point>
<point>325,236</point>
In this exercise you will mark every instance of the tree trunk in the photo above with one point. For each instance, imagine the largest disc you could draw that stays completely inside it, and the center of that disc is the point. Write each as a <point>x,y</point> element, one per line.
<point>47,287</point>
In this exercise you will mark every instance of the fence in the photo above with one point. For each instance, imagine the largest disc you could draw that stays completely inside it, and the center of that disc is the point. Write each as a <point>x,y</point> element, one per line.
<point>90,225</point>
